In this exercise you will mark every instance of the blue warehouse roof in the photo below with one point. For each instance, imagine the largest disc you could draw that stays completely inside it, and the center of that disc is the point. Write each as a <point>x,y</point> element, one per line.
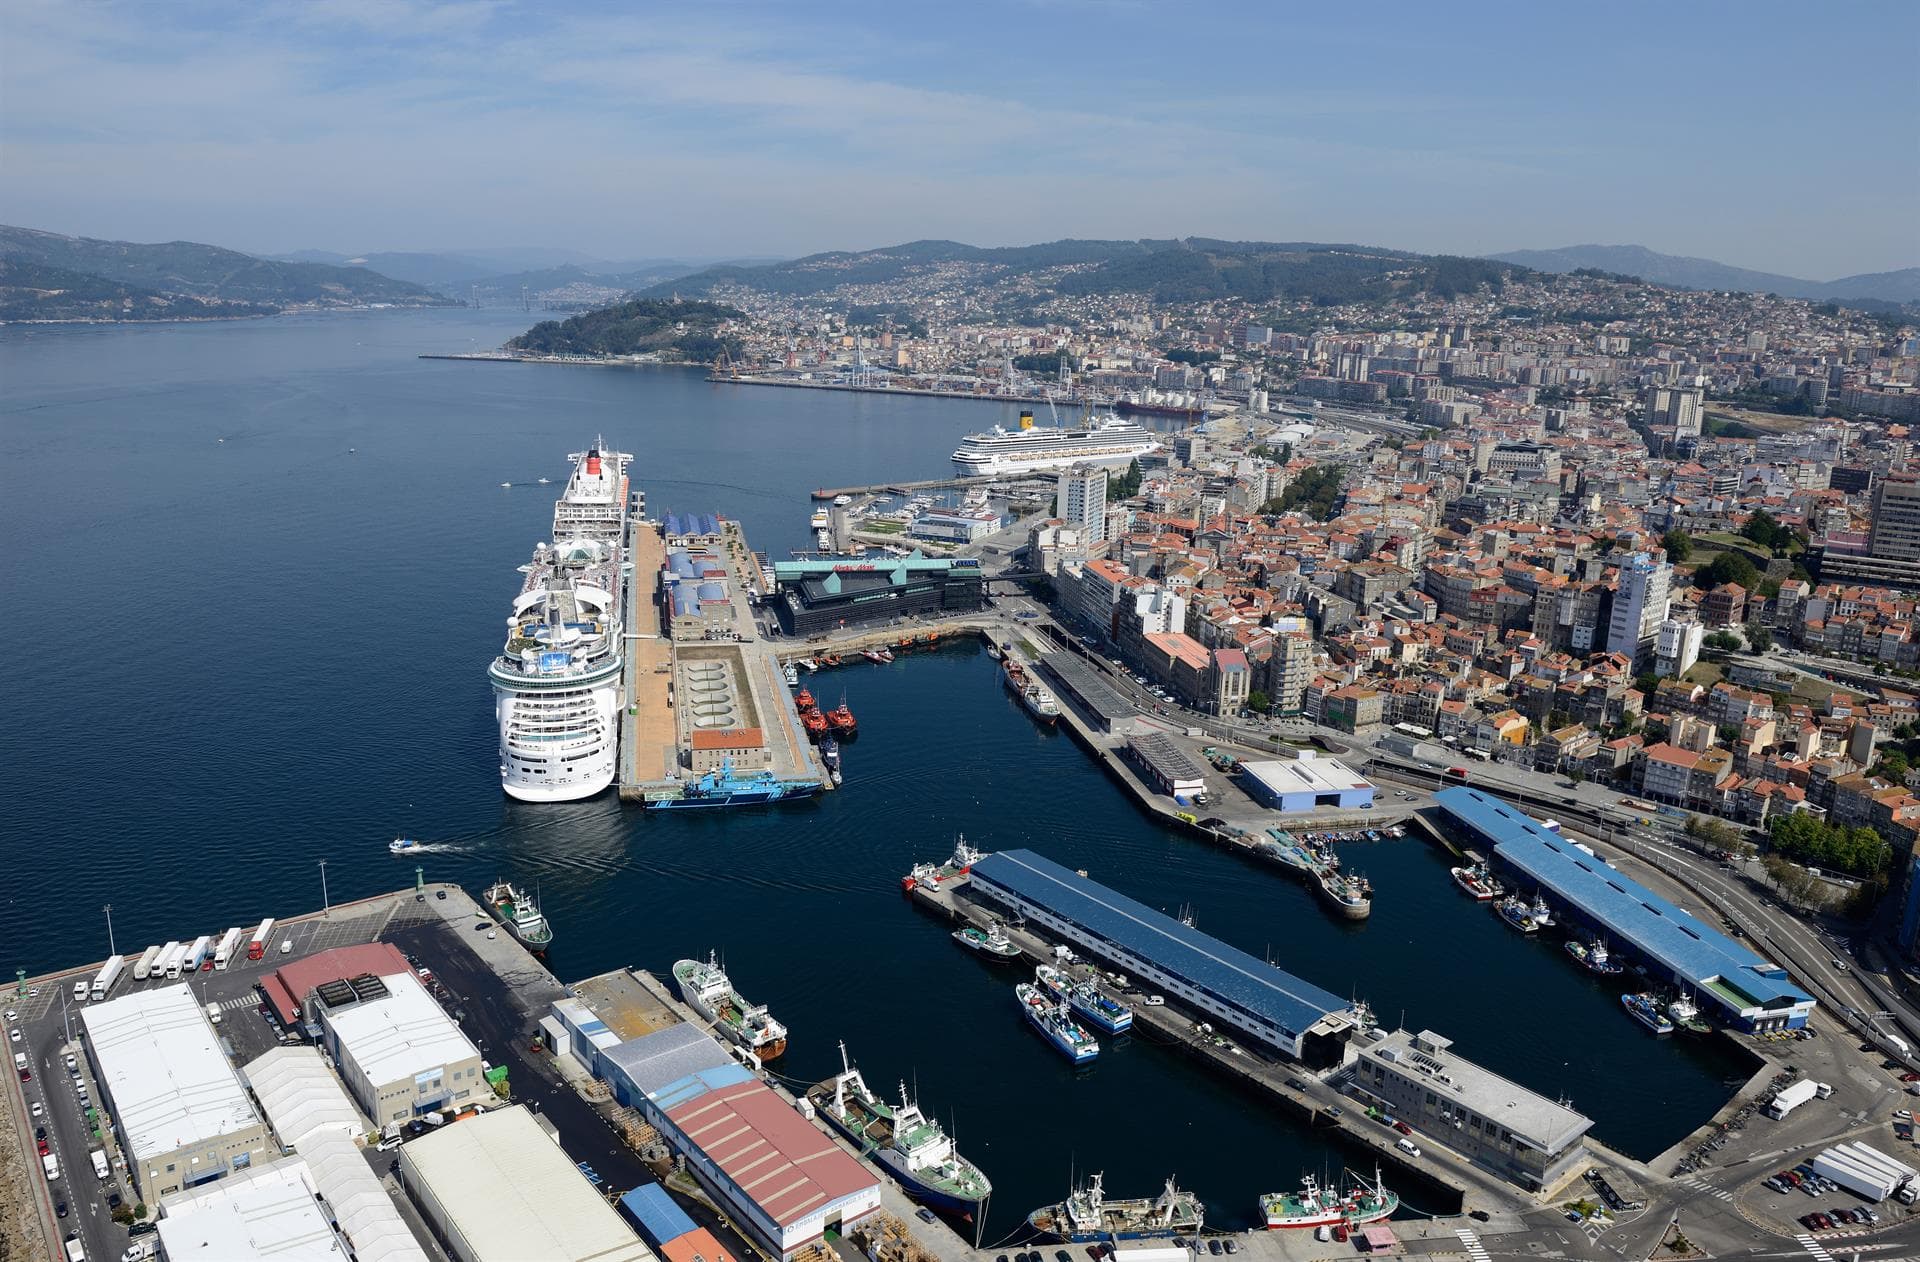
<point>1227,971</point>
<point>1625,909</point>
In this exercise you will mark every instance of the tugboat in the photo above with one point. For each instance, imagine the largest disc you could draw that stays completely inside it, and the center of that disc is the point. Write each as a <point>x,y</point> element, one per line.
<point>991,942</point>
<point>1645,1009</point>
<point>912,1146</point>
<point>707,990</point>
<point>1108,1014</point>
<point>1477,882</point>
<point>803,701</point>
<point>402,845</point>
<point>521,915</point>
<point>1054,1025</point>
<point>1593,957</point>
<point>840,719</point>
<point>1685,1013</point>
<point>1313,1206</point>
<point>815,723</point>
<point>1515,911</point>
<point>1087,1215</point>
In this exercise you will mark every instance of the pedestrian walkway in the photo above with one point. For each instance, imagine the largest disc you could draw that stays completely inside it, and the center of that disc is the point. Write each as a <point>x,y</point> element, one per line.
<point>1813,1246</point>
<point>1471,1243</point>
<point>1701,1185</point>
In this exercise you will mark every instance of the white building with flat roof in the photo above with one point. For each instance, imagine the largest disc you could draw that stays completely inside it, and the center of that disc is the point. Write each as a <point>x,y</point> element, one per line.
<point>184,1117</point>
<point>498,1188</point>
<point>265,1212</point>
<point>402,1055</point>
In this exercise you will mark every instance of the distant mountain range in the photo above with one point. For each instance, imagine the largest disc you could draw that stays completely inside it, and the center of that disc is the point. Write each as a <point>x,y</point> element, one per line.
<point>1680,272</point>
<point>455,273</point>
<point>1188,270</point>
<point>55,277</point>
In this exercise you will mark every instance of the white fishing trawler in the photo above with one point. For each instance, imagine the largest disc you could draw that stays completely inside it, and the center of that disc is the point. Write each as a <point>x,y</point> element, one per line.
<point>708,991</point>
<point>556,684</point>
<point>1001,450</point>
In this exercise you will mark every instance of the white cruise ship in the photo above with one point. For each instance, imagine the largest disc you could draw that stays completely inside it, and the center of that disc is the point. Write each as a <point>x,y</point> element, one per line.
<point>557,684</point>
<point>1000,450</point>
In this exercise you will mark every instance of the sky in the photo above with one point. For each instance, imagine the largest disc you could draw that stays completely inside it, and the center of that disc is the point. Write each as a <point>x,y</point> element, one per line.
<point>1769,135</point>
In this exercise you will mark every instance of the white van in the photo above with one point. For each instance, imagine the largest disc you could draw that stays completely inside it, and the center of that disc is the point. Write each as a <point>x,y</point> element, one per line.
<point>80,991</point>
<point>1408,1147</point>
<point>213,1014</point>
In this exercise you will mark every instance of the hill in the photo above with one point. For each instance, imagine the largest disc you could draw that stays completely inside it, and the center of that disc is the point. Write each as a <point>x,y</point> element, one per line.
<point>1187,270</point>
<point>34,291</point>
<point>207,271</point>
<point>1681,272</point>
<point>675,330</point>
<point>455,274</point>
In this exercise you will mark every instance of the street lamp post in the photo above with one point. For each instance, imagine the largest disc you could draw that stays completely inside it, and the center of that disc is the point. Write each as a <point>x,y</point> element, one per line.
<point>111,949</point>
<point>326,907</point>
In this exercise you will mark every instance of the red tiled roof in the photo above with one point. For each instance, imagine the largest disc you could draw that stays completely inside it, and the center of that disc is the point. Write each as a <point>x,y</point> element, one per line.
<point>289,985</point>
<point>769,1151</point>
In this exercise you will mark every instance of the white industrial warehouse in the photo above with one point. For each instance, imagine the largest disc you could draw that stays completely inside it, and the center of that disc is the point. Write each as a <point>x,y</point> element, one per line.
<point>401,1055</point>
<point>183,1116</point>
<point>498,1188</point>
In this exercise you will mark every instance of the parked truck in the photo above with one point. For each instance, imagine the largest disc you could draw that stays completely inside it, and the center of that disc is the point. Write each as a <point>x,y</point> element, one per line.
<point>109,974</point>
<point>1791,1097</point>
<point>170,961</point>
<point>1866,1172</point>
<point>197,954</point>
<point>257,947</point>
<point>143,967</point>
<point>228,945</point>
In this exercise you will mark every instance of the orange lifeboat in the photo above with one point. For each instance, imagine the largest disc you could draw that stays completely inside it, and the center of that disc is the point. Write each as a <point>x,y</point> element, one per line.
<point>815,723</point>
<point>842,720</point>
<point>804,700</point>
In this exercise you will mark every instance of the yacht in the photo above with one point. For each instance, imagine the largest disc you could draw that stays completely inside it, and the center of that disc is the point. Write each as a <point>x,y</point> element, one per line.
<point>556,684</point>
<point>1022,450</point>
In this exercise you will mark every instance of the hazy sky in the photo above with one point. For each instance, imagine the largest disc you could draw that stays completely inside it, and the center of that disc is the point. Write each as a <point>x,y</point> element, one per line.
<point>1771,135</point>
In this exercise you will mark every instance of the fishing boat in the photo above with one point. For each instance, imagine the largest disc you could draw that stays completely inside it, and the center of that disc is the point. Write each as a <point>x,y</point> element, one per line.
<point>1040,704</point>
<point>1516,912</point>
<point>830,757</point>
<point>1085,998</point>
<point>1685,1013</point>
<point>1352,895</point>
<point>1087,1215</point>
<point>1542,914</point>
<point>1645,1009</point>
<point>1477,882</point>
<point>708,991</point>
<point>1594,957</point>
<point>520,913</point>
<point>792,674</point>
<point>881,655</point>
<point>991,942</point>
<point>964,857</point>
<point>402,845</point>
<point>1053,1023</point>
<point>927,874</point>
<point>1314,1206</point>
<point>912,1146</point>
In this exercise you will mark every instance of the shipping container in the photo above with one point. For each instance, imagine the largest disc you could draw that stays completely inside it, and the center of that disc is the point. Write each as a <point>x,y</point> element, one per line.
<point>143,969</point>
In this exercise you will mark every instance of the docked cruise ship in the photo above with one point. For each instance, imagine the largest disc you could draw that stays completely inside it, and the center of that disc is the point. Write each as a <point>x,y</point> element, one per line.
<point>556,685</point>
<point>1030,447</point>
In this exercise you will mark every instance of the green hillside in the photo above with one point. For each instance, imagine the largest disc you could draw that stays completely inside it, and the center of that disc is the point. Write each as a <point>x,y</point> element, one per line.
<point>34,291</point>
<point>677,330</point>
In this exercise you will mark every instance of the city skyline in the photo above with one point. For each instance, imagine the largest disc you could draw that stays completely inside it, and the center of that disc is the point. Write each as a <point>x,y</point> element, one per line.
<point>358,127</point>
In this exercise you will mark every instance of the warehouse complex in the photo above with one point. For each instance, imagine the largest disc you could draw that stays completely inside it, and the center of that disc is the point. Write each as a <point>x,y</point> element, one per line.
<point>184,1119</point>
<point>498,1188</point>
<point>1743,990</point>
<point>1297,785</point>
<point>1267,1006</point>
<point>267,1212</point>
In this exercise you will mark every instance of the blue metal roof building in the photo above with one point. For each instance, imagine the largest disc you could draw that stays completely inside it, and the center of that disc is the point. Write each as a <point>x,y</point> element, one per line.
<point>1749,992</point>
<point>1204,973</point>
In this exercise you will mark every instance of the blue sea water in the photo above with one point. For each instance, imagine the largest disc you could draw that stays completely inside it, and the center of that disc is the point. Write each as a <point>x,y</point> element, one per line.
<point>253,574</point>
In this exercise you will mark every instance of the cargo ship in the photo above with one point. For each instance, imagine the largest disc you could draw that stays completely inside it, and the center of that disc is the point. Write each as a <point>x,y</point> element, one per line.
<point>1314,1206</point>
<point>1086,1215</point>
<point>1084,997</point>
<point>912,1147</point>
<point>1645,1009</point>
<point>724,787</point>
<point>1051,1019</point>
<point>1477,883</point>
<point>520,913</point>
<point>707,991</point>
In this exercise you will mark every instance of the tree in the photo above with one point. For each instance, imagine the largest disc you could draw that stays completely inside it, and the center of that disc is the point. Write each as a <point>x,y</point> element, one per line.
<point>1728,567</point>
<point>1576,775</point>
<point>1257,702</point>
<point>1764,529</point>
<point>1759,639</point>
<point>1126,485</point>
<point>1679,545</point>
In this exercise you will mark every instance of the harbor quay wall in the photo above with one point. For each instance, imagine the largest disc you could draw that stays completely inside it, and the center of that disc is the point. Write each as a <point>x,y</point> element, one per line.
<point>1177,1028</point>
